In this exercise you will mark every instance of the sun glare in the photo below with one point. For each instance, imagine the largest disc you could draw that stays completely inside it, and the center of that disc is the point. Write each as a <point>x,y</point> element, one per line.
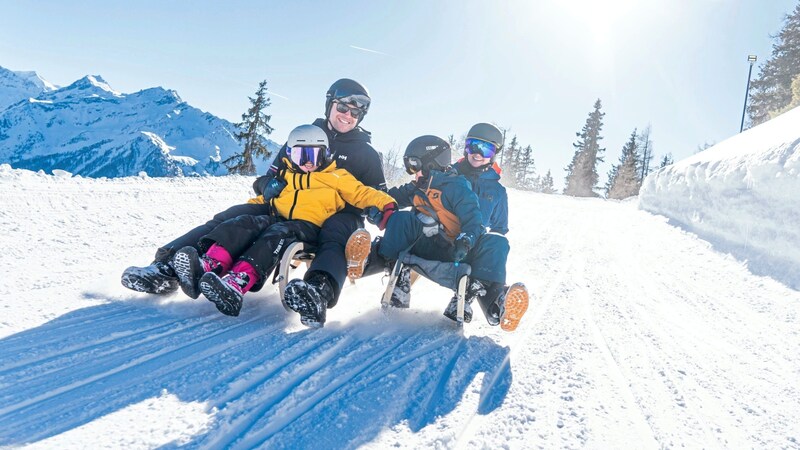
<point>599,16</point>
<point>598,26</point>
<point>599,10</point>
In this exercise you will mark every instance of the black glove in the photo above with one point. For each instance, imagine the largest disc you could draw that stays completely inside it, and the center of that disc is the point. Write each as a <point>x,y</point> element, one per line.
<point>274,188</point>
<point>268,187</point>
<point>377,217</point>
<point>260,183</point>
<point>372,214</point>
<point>462,245</point>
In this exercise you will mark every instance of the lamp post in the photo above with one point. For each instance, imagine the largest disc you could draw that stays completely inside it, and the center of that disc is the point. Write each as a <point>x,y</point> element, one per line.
<point>752,59</point>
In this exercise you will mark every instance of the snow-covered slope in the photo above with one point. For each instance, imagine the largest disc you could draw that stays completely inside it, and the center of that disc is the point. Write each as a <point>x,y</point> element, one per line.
<point>640,335</point>
<point>89,129</point>
<point>16,86</point>
<point>743,195</point>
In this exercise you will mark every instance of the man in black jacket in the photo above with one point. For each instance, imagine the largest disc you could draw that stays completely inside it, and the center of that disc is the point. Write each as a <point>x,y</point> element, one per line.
<point>347,102</point>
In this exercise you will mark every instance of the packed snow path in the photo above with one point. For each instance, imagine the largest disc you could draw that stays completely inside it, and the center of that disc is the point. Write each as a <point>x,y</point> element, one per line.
<point>639,335</point>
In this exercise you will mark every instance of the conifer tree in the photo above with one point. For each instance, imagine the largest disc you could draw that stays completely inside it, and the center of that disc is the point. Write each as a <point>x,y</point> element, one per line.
<point>624,181</point>
<point>526,169</point>
<point>795,99</point>
<point>451,139</point>
<point>253,130</point>
<point>666,161</point>
<point>502,155</point>
<point>771,91</point>
<point>645,146</point>
<point>511,160</point>
<point>582,171</point>
<point>546,184</point>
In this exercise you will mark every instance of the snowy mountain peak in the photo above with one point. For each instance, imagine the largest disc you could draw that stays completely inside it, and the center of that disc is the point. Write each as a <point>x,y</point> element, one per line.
<point>92,85</point>
<point>36,80</point>
<point>16,86</point>
<point>159,95</point>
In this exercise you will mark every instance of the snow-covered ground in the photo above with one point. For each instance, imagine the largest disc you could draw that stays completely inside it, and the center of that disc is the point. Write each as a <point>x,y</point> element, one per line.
<point>640,335</point>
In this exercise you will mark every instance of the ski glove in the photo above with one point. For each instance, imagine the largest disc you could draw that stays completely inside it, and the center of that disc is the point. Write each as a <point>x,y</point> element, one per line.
<point>269,187</point>
<point>378,217</point>
<point>463,244</point>
<point>430,227</point>
<point>259,183</point>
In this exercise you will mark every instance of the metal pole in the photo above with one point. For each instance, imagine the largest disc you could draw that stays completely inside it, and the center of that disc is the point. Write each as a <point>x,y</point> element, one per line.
<point>752,59</point>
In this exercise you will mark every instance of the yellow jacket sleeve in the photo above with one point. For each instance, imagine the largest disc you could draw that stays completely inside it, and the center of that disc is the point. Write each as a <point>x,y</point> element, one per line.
<point>257,200</point>
<point>358,195</point>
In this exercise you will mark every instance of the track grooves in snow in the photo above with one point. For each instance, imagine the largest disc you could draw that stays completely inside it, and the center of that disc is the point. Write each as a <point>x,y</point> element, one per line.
<point>27,411</point>
<point>644,433</point>
<point>286,414</point>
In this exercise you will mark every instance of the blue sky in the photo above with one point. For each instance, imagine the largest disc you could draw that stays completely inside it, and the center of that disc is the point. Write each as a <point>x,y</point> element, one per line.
<point>433,67</point>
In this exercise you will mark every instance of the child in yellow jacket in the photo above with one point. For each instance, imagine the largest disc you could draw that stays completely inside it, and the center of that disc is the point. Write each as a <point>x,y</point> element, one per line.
<point>315,190</point>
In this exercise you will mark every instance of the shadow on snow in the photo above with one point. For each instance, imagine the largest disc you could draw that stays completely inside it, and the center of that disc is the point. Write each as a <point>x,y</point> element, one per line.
<point>334,387</point>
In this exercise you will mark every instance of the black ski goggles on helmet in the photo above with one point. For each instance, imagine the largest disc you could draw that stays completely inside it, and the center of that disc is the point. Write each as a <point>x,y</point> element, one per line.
<point>355,112</point>
<point>475,146</point>
<point>413,164</point>
<point>359,100</point>
<point>302,155</point>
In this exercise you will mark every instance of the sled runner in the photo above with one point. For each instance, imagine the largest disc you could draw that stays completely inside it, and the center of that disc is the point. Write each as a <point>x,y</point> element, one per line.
<point>445,274</point>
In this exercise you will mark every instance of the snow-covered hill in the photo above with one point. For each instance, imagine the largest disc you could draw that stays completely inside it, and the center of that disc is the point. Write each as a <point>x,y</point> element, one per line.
<point>743,195</point>
<point>89,129</point>
<point>640,335</point>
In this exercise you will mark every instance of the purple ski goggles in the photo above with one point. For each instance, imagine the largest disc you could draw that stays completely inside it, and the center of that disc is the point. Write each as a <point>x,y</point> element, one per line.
<point>302,155</point>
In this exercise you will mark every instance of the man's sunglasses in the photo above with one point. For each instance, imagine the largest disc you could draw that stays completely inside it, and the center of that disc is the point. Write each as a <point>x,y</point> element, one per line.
<point>355,112</point>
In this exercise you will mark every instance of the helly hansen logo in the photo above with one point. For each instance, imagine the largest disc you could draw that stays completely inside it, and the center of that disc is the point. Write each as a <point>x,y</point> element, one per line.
<point>343,157</point>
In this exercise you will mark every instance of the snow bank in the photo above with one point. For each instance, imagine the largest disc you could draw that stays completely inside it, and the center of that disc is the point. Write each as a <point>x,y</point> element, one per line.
<point>742,195</point>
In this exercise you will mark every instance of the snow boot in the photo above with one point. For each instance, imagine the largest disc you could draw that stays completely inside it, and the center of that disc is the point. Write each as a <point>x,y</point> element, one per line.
<point>189,266</point>
<point>310,299</point>
<point>157,278</point>
<point>451,312</point>
<point>357,252</point>
<point>401,295</point>
<point>226,292</point>
<point>513,305</point>
<point>501,306</point>
<point>487,295</point>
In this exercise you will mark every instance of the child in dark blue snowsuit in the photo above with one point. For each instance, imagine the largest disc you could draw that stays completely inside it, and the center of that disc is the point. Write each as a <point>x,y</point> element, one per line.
<point>455,233</point>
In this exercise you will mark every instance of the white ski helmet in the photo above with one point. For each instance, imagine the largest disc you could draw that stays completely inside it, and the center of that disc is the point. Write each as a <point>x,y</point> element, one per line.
<point>308,143</point>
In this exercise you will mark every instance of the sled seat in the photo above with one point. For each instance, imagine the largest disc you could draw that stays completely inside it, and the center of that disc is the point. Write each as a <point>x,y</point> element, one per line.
<point>446,274</point>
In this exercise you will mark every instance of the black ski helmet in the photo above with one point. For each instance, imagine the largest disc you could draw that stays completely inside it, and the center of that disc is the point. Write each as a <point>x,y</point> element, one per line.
<point>350,91</point>
<point>427,153</point>
<point>489,133</point>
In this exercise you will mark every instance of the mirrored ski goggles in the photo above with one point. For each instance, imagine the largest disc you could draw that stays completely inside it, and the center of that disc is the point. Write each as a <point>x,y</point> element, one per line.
<point>361,101</point>
<point>356,112</point>
<point>475,146</point>
<point>302,155</point>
